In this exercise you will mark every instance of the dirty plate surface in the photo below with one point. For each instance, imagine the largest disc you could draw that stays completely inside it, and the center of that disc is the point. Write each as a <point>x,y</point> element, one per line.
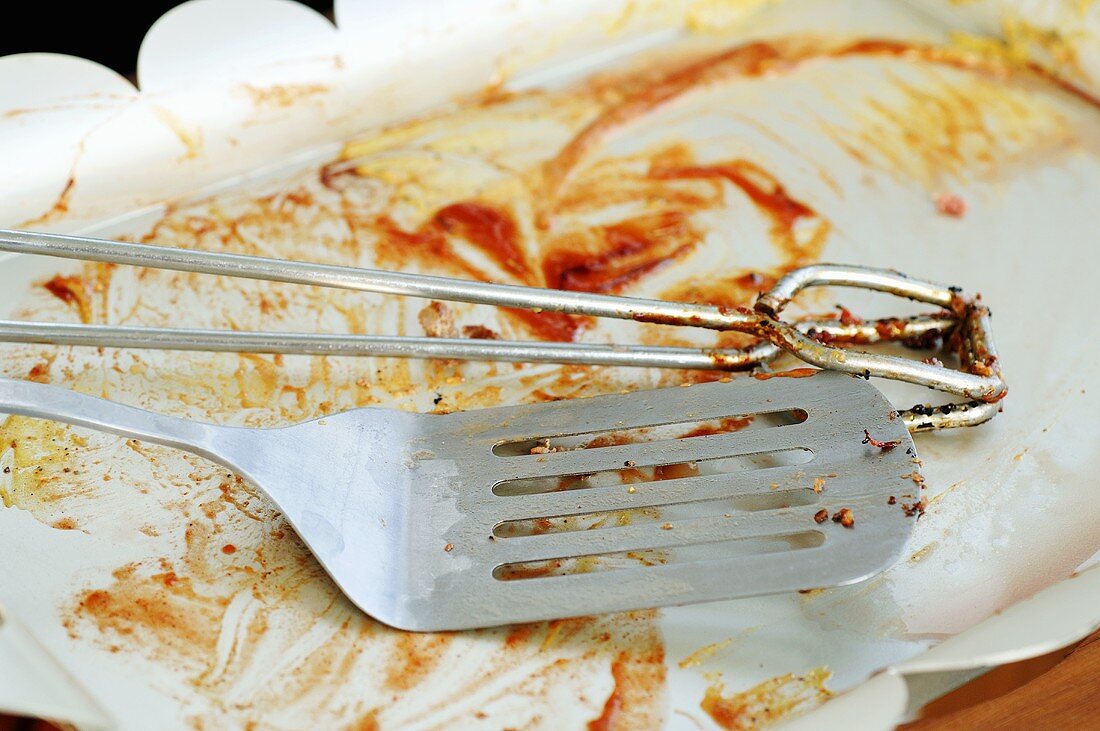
<point>701,171</point>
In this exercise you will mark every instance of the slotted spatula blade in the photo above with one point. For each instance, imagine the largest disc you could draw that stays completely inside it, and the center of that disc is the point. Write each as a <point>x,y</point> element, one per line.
<point>733,516</point>
<point>575,507</point>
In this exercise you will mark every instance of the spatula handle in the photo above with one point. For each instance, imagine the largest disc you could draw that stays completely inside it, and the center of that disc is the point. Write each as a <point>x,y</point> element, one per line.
<point>41,401</point>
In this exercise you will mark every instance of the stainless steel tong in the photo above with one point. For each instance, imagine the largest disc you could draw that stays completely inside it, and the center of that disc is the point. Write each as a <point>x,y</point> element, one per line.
<point>962,324</point>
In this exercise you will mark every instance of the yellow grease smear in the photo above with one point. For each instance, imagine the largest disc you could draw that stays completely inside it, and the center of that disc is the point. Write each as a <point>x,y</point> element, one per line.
<point>720,16</point>
<point>36,471</point>
<point>1054,46</point>
<point>282,95</point>
<point>704,653</point>
<point>767,702</point>
<point>925,132</point>
<point>189,135</point>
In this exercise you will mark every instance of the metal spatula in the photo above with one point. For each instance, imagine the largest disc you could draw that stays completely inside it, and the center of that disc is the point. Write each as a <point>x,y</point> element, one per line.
<point>585,506</point>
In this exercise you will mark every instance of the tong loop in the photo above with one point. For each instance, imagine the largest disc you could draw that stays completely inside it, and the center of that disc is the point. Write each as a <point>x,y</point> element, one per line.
<point>970,337</point>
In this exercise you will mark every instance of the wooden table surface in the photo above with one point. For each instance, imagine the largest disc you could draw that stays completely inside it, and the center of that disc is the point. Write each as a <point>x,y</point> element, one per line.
<point>1057,691</point>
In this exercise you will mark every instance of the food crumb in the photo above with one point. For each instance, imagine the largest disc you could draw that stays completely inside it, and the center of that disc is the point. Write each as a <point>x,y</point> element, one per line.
<point>884,446</point>
<point>821,516</point>
<point>844,517</point>
<point>950,204</point>
<point>912,509</point>
<point>891,500</point>
<point>819,485</point>
<point>449,547</point>
<point>544,447</point>
<point>847,318</point>
<point>229,549</point>
<point>438,320</point>
<point>666,526</point>
<point>479,332</point>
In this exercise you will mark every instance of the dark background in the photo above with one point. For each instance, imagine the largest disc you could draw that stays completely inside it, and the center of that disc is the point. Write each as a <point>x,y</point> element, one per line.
<point>107,32</point>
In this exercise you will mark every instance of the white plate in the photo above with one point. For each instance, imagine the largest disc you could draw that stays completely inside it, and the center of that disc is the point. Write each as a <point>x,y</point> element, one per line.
<point>854,138</point>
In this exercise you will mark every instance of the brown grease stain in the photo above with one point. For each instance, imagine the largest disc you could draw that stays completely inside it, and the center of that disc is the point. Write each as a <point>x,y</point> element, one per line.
<point>367,722</point>
<point>185,621</point>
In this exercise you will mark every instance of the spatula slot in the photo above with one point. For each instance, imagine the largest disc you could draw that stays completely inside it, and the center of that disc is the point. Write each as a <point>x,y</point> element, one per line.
<point>699,553</point>
<point>651,432</point>
<point>656,514</point>
<point>640,474</point>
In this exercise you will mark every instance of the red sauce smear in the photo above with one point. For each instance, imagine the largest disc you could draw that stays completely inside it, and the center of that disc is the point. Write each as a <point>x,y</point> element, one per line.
<point>762,187</point>
<point>747,60</point>
<point>751,60</point>
<point>613,707</point>
<point>629,250</point>
<point>39,373</point>
<point>63,288</point>
<point>724,426</point>
<point>493,232</point>
<point>71,291</point>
